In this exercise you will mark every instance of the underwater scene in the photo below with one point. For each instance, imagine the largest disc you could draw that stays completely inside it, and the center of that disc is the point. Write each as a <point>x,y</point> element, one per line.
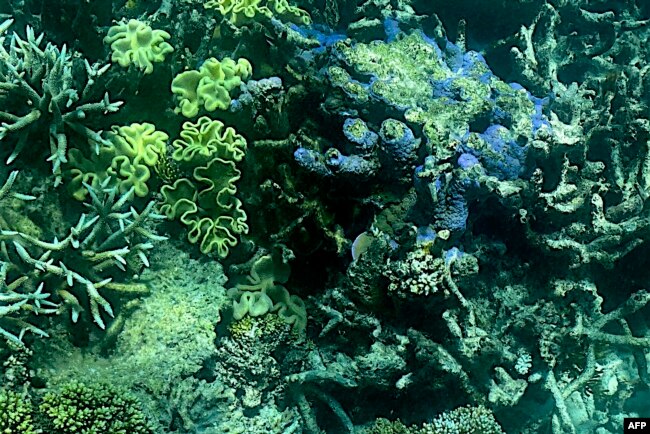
<point>324,216</point>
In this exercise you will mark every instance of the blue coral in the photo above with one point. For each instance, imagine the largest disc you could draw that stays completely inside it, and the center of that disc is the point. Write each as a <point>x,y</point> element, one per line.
<point>360,135</point>
<point>499,153</point>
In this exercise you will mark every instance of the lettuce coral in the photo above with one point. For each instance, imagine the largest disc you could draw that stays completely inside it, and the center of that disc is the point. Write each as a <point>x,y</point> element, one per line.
<point>135,42</point>
<point>209,86</point>
<point>126,158</point>
<point>242,11</point>
<point>204,200</point>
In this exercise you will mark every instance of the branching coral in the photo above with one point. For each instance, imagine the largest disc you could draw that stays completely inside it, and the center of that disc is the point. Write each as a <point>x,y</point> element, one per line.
<point>42,101</point>
<point>104,245</point>
<point>463,420</point>
<point>422,273</point>
<point>16,414</point>
<point>100,408</point>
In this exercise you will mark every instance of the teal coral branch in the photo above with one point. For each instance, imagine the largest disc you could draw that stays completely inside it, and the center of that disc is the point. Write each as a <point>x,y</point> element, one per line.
<point>40,100</point>
<point>80,266</point>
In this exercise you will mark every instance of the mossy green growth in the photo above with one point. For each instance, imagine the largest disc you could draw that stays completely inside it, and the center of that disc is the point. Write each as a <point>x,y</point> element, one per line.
<point>127,158</point>
<point>239,12</point>
<point>209,87</point>
<point>16,414</point>
<point>412,75</point>
<point>204,198</point>
<point>135,42</point>
<point>93,409</point>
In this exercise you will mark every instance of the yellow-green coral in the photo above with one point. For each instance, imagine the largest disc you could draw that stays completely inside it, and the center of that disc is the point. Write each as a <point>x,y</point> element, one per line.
<point>210,86</point>
<point>127,159</point>
<point>240,12</point>
<point>206,153</point>
<point>135,42</point>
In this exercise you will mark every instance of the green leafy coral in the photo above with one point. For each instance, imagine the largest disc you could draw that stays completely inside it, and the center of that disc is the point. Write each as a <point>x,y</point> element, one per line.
<point>93,409</point>
<point>209,87</point>
<point>76,269</point>
<point>204,199</point>
<point>135,42</point>
<point>124,161</point>
<point>240,12</point>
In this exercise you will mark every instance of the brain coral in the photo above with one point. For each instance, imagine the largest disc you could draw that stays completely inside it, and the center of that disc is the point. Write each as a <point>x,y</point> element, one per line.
<point>204,198</point>
<point>137,43</point>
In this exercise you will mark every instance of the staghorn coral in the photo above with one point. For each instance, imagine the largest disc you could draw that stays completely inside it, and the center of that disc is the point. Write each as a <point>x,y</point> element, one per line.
<point>106,244</point>
<point>46,98</point>
<point>135,42</point>
<point>204,199</point>
<point>15,299</point>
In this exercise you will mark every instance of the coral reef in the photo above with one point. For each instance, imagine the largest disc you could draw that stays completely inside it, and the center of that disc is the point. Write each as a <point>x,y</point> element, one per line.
<point>107,242</point>
<point>16,413</point>
<point>209,87</point>
<point>239,12</point>
<point>373,216</point>
<point>92,409</point>
<point>124,162</point>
